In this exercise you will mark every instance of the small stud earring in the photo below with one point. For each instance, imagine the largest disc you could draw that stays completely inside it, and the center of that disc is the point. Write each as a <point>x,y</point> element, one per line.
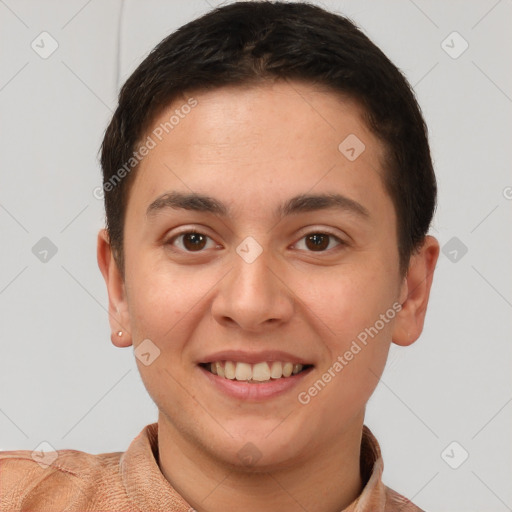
<point>120,333</point>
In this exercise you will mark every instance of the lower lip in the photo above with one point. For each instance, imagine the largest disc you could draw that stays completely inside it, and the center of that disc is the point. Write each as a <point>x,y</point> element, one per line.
<point>255,392</point>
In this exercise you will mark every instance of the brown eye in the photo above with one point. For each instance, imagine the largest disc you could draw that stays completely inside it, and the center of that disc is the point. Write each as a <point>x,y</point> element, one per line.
<point>319,242</point>
<point>191,241</point>
<point>194,241</point>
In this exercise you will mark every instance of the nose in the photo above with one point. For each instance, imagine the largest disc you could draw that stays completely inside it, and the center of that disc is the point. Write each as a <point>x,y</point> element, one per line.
<point>254,295</point>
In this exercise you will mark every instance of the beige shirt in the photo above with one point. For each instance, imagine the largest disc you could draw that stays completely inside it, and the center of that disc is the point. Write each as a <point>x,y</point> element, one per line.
<point>132,481</point>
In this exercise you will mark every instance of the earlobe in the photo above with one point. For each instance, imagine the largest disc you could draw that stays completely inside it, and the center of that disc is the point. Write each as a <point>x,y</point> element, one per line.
<point>120,339</point>
<point>415,292</point>
<point>117,306</point>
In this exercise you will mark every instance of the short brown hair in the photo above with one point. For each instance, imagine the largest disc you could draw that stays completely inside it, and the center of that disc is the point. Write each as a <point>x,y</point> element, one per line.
<point>250,42</point>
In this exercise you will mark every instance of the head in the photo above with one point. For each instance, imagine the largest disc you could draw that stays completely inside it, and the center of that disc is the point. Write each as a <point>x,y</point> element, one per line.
<point>258,105</point>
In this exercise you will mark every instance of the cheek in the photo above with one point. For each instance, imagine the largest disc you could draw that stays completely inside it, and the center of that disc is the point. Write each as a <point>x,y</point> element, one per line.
<point>161,306</point>
<point>357,341</point>
<point>164,300</point>
<point>356,311</point>
<point>156,301</point>
<point>348,301</point>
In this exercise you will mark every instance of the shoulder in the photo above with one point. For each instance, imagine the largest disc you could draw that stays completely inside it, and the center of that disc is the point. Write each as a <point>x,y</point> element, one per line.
<point>34,480</point>
<point>395,501</point>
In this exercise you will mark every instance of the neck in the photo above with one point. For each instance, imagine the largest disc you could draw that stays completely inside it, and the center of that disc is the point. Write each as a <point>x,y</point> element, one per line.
<point>327,480</point>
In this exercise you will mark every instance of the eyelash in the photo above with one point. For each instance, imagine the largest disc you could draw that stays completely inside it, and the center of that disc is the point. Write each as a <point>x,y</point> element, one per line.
<point>341,243</point>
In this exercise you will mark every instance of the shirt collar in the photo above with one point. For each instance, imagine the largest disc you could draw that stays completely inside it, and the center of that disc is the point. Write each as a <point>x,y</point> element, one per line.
<point>148,489</point>
<point>145,484</point>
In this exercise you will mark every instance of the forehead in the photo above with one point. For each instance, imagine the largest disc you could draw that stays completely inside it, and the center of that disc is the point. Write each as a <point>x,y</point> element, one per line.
<point>252,143</point>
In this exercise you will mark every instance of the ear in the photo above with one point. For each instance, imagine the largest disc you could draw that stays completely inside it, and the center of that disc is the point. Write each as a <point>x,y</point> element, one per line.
<point>119,318</point>
<point>414,293</point>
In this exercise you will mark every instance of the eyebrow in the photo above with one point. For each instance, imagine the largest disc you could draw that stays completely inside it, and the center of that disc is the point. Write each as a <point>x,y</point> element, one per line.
<point>295,205</point>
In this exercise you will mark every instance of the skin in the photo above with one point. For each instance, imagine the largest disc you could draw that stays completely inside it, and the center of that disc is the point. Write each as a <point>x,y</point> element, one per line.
<point>253,148</point>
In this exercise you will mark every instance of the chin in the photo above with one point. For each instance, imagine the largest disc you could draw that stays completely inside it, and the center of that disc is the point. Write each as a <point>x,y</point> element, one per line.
<point>260,450</point>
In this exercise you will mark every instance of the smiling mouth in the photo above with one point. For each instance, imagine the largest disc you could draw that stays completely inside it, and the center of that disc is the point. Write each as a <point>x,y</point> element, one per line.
<point>254,373</point>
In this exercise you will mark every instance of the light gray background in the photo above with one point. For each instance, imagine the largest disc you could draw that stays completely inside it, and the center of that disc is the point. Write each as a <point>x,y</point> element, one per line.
<point>62,381</point>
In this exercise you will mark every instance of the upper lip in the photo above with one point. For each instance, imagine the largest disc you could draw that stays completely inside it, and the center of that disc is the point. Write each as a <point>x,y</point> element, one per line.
<point>242,356</point>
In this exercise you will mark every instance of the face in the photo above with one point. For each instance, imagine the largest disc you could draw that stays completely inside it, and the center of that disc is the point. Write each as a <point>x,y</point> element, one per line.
<point>256,281</point>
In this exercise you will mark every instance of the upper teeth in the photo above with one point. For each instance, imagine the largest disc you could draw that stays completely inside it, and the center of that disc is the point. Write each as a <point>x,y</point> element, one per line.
<point>259,371</point>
